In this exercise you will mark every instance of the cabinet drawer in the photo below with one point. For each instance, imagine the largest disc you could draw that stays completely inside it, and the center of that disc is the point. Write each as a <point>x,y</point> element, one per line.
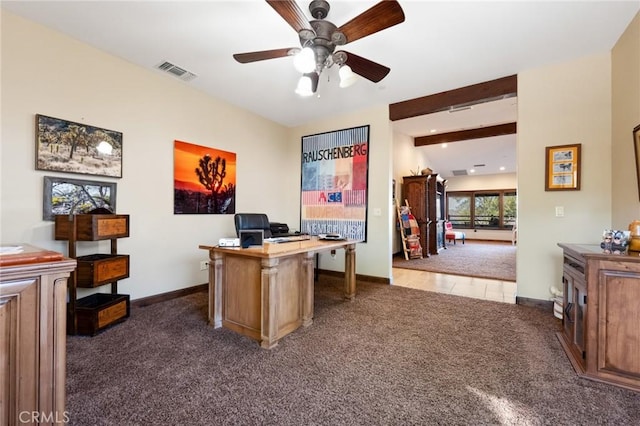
<point>95,270</point>
<point>92,227</point>
<point>101,310</point>
<point>574,266</point>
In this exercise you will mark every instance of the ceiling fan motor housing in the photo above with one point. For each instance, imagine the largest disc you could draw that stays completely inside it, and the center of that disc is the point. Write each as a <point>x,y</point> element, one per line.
<point>319,9</point>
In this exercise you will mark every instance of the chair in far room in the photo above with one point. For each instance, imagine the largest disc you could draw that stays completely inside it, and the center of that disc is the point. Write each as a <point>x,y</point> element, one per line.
<point>452,235</point>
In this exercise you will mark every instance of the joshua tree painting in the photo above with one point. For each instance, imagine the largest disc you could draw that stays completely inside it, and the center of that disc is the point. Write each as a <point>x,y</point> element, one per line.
<point>65,146</point>
<point>204,180</point>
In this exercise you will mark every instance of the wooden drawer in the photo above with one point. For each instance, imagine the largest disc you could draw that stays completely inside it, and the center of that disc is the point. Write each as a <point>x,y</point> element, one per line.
<point>92,227</point>
<point>95,270</point>
<point>101,310</point>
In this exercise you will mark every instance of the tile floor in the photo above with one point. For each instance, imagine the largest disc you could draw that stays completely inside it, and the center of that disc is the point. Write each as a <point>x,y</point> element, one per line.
<point>479,288</point>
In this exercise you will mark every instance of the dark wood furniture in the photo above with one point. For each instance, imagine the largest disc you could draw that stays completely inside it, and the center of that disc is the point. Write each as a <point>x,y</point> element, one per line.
<point>426,196</point>
<point>266,292</point>
<point>92,314</point>
<point>33,293</point>
<point>601,320</point>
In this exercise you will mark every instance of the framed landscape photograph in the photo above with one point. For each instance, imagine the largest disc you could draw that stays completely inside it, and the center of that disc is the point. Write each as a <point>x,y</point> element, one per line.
<point>65,146</point>
<point>74,196</point>
<point>562,165</point>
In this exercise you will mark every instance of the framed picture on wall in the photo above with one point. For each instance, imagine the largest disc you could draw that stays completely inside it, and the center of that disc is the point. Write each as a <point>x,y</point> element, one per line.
<point>66,146</point>
<point>75,196</point>
<point>562,168</point>
<point>334,181</point>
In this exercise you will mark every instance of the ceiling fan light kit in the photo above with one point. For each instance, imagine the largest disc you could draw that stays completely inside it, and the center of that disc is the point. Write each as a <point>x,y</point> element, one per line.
<point>319,38</point>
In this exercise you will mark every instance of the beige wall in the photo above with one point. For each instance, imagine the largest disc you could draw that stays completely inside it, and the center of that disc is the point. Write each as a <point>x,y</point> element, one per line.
<point>406,158</point>
<point>625,70</point>
<point>45,72</point>
<point>567,103</point>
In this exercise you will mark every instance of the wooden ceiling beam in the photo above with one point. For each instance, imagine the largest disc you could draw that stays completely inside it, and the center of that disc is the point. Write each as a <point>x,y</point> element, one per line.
<point>476,93</point>
<point>463,135</point>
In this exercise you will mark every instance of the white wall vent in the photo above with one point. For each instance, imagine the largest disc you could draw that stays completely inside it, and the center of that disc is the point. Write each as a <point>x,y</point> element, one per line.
<point>459,172</point>
<point>176,71</point>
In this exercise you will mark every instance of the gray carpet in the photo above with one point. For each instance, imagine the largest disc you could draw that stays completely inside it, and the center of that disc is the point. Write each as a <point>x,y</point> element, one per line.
<point>394,356</point>
<point>484,259</point>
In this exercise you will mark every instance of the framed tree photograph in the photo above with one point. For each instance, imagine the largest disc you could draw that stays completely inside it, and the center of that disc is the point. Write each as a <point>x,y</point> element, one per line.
<point>74,196</point>
<point>562,166</point>
<point>65,146</point>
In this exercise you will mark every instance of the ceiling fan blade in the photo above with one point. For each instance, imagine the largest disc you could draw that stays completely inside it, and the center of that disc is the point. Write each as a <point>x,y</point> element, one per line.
<point>245,58</point>
<point>366,68</point>
<point>383,15</point>
<point>291,12</point>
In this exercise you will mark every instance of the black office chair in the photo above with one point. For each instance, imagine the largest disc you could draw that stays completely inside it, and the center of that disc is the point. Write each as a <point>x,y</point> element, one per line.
<point>252,221</point>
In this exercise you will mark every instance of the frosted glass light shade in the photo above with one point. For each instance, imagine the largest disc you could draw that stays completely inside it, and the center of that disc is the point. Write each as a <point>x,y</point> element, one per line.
<point>347,76</point>
<point>304,86</point>
<point>305,61</point>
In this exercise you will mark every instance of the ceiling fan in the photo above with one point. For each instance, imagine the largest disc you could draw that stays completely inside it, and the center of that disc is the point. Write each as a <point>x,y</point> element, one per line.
<point>319,39</point>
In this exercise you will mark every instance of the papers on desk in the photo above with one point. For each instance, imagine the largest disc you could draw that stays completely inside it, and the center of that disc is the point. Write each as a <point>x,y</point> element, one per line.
<point>332,237</point>
<point>288,239</point>
<point>11,249</point>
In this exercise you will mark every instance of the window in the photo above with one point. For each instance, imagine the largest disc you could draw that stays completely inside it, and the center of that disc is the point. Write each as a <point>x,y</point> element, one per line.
<point>482,209</point>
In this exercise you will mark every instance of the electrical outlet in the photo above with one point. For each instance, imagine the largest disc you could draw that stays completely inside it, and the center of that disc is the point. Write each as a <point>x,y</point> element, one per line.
<point>204,264</point>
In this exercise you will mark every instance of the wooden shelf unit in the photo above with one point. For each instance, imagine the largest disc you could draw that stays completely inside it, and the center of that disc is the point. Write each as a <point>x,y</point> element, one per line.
<point>94,313</point>
<point>600,332</point>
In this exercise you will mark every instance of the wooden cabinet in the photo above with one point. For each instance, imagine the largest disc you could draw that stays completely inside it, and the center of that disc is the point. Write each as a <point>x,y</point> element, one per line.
<point>601,319</point>
<point>426,196</point>
<point>96,312</point>
<point>436,204</point>
<point>33,290</point>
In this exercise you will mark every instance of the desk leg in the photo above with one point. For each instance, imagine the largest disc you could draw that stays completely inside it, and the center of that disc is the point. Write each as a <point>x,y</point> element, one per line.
<point>350,272</point>
<point>307,290</point>
<point>216,277</point>
<point>269,290</point>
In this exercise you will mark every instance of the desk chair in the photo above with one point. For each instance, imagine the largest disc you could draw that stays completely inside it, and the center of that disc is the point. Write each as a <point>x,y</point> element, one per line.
<point>252,221</point>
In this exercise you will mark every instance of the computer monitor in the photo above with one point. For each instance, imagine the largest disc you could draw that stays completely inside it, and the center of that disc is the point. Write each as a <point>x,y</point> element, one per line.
<point>251,237</point>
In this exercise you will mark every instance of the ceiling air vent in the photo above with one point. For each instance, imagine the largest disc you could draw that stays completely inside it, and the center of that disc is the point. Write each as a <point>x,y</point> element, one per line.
<point>459,172</point>
<point>176,71</point>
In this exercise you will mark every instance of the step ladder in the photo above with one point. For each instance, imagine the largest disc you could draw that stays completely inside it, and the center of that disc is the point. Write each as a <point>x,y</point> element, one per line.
<point>409,231</point>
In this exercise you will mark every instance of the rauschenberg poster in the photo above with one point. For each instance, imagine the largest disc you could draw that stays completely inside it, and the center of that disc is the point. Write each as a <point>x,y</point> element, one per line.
<point>204,180</point>
<point>334,183</point>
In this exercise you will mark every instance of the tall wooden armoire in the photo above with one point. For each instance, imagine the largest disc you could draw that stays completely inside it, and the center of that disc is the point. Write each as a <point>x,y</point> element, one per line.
<point>426,197</point>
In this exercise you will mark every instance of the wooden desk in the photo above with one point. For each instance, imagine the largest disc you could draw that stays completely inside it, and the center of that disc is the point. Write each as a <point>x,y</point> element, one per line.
<point>266,292</point>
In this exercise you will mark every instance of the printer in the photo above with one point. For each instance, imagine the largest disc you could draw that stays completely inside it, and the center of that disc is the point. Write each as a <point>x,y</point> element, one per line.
<point>279,229</point>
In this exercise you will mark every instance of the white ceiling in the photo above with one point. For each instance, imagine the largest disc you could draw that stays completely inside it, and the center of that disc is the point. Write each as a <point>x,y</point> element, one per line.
<point>442,45</point>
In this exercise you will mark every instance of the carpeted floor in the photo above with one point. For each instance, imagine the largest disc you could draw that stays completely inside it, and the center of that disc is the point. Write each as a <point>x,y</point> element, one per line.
<point>394,356</point>
<point>495,260</point>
